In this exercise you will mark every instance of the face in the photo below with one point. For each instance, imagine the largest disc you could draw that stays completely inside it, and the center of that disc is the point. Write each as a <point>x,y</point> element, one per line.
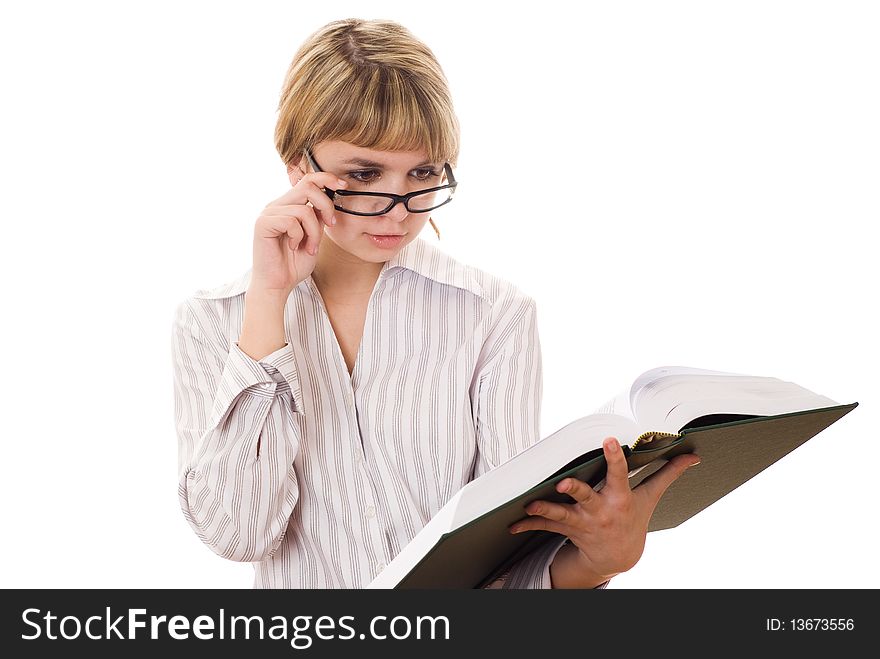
<point>368,170</point>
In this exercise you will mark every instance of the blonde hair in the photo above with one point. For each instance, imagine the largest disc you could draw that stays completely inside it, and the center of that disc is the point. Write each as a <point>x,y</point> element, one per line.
<point>370,83</point>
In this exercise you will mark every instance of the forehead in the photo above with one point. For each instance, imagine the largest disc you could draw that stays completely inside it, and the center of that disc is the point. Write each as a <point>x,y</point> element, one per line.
<point>344,153</point>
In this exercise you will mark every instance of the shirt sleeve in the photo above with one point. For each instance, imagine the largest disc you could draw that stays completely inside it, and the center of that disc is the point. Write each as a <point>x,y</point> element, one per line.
<point>508,400</point>
<point>507,409</point>
<point>238,425</point>
<point>530,573</point>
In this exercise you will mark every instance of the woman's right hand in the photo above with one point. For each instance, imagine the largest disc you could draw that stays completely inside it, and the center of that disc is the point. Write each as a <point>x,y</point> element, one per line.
<point>288,232</point>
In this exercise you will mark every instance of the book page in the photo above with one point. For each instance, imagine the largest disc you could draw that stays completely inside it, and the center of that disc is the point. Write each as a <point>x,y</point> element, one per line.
<point>649,380</point>
<point>619,405</point>
<point>684,413</point>
<point>674,396</point>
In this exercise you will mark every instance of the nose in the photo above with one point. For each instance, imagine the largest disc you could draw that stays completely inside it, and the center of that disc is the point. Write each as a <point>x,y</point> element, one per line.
<point>398,212</point>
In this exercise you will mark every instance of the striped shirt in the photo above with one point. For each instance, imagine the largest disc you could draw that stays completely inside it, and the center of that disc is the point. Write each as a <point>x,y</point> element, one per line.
<point>320,477</point>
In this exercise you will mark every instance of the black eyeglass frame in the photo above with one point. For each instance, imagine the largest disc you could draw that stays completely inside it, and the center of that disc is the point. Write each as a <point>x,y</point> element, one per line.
<point>396,199</point>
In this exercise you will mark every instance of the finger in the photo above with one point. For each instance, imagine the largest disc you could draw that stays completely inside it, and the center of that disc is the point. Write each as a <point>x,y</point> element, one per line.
<point>325,210</point>
<point>284,228</point>
<point>577,490</point>
<point>300,225</point>
<point>275,226</point>
<point>313,196</point>
<point>297,195</point>
<point>656,484</point>
<point>617,473</point>
<point>312,229</point>
<point>558,512</point>
<point>318,199</point>
<point>541,524</point>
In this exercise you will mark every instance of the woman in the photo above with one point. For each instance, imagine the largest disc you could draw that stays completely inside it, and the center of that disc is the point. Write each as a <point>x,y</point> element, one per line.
<point>335,396</point>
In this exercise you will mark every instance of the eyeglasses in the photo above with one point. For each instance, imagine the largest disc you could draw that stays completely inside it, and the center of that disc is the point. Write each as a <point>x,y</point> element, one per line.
<point>379,203</point>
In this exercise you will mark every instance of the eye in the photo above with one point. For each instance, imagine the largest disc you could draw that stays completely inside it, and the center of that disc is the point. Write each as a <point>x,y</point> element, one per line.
<point>364,176</point>
<point>369,176</point>
<point>426,173</point>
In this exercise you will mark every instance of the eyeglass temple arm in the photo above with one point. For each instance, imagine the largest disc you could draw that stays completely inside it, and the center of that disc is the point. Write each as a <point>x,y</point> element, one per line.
<point>330,193</point>
<point>312,160</point>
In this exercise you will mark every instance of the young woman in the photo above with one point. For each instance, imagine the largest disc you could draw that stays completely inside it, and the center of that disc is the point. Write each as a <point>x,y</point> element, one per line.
<point>335,396</point>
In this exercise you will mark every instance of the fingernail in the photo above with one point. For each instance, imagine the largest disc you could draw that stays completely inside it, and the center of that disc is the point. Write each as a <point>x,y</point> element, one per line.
<point>514,529</point>
<point>340,183</point>
<point>613,444</point>
<point>332,219</point>
<point>564,485</point>
<point>694,464</point>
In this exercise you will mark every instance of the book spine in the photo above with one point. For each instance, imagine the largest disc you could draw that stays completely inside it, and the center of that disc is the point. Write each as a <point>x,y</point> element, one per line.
<point>648,437</point>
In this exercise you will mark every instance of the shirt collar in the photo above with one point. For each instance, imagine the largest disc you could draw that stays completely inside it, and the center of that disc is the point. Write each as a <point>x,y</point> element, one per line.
<point>418,256</point>
<point>424,259</point>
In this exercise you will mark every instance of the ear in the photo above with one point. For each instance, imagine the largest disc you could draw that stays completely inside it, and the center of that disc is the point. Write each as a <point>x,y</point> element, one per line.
<point>294,173</point>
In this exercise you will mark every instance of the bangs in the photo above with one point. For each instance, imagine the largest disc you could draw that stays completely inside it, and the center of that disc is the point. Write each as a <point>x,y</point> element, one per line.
<point>387,110</point>
<point>371,84</point>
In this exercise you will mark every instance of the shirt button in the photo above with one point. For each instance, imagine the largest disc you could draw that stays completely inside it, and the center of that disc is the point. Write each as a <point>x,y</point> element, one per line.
<point>371,511</point>
<point>380,567</point>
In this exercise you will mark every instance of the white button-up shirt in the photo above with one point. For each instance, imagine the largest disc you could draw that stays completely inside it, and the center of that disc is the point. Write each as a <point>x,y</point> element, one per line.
<point>319,477</point>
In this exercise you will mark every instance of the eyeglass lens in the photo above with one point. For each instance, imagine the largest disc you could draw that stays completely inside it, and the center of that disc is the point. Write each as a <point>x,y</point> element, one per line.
<point>371,204</point>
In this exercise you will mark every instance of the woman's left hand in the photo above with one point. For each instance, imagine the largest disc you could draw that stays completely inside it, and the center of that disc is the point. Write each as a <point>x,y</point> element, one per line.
<point>607,527</point>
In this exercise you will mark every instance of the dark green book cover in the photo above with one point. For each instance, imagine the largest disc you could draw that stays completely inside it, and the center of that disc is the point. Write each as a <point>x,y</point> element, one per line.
<point>733,448</point>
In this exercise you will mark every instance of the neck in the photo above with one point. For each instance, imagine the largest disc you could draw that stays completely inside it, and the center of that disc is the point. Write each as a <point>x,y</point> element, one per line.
<point>340,275</point>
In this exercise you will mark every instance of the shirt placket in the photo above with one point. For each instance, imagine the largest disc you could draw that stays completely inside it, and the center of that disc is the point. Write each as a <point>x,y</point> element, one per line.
<point>370,497</point>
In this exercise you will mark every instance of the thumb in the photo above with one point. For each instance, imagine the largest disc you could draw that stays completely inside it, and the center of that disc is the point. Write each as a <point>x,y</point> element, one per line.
<point>657,483</point>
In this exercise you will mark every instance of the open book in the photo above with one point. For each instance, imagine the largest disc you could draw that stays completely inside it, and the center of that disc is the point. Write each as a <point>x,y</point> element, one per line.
<point>737,424</point>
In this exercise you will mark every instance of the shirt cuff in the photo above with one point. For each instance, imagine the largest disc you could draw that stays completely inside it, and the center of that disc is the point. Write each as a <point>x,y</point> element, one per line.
<point>261,378</point>
<point>281,363</point>
<point>533,570</point>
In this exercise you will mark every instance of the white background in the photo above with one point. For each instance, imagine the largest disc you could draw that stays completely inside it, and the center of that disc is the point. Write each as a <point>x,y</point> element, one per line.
<point>687,183</point>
